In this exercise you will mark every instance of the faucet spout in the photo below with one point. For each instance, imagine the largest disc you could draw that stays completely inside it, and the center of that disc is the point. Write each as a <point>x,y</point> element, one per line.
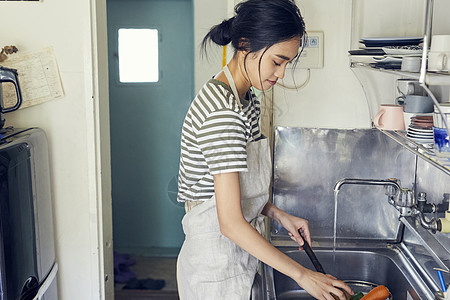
<point>384,182</point>
<point>393,190</point>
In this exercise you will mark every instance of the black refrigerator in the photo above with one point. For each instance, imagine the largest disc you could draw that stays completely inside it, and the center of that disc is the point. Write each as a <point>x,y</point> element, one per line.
<point>28,265</point>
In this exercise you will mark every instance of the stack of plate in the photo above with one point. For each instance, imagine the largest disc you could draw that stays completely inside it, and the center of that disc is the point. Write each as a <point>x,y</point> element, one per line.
<point>420,129</point>
<point>393,46</point>
<point>391,41</point>
<point>403,50</point>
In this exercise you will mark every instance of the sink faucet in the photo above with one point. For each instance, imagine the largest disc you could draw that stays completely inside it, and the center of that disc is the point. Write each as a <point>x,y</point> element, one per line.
<point>395,183</point>
<point>392,189</point>
<point>402,199</point>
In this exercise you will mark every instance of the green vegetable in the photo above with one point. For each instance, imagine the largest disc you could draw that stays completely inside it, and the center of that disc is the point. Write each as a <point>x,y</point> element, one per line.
<point>357,296</point>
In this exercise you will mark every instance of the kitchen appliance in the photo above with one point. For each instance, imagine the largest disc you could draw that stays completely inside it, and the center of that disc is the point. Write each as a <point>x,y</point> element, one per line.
<point>27,253</point>
<point>8,76</point>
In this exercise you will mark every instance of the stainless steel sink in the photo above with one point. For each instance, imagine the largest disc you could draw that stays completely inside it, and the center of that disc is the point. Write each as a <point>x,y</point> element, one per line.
<point>361,269</point>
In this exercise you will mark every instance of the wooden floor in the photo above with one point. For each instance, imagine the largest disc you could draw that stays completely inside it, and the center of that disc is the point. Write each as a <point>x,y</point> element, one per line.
<point>155,268</point>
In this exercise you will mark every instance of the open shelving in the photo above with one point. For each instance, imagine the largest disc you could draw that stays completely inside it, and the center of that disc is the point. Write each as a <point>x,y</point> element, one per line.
<point>430,78</point>
<point>424,77</point>
<point>424,152</point>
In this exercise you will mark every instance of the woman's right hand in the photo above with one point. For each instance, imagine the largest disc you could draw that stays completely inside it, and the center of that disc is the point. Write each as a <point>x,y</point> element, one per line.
<point>320,286</point>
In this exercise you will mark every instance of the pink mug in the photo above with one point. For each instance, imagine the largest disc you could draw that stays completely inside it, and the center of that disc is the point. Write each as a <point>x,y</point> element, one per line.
<point>390,117</point>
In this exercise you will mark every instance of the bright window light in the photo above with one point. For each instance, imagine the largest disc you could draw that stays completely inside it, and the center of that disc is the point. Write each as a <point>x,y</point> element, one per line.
<point>138,55</point>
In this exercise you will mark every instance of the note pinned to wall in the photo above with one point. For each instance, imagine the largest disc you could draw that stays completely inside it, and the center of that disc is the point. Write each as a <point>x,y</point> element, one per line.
<point>39,77</point>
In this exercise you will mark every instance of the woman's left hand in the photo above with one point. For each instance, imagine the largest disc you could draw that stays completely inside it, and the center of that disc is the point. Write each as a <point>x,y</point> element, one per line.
<point>293,224</point>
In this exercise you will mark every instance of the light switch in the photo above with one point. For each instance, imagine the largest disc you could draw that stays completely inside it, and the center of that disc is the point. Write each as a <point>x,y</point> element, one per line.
<point>312,55</point>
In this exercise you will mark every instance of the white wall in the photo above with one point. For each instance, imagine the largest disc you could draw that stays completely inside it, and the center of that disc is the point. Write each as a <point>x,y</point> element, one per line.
<point>334,97</point>
<point>207,13</point>
<point>78,134</point>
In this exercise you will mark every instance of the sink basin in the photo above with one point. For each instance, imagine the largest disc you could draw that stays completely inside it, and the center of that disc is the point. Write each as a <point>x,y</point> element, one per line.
<point>361,269</point>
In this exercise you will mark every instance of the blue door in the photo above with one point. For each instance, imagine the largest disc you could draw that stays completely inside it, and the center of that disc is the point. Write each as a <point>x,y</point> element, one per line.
<point>146,121</point>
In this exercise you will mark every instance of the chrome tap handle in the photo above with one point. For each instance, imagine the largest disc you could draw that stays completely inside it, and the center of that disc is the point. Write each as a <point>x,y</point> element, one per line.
<point>392,190</point>
<point>405,202</point>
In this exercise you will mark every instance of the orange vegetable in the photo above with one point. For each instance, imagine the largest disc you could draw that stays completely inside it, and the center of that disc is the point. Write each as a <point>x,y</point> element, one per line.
<point>378,293</point>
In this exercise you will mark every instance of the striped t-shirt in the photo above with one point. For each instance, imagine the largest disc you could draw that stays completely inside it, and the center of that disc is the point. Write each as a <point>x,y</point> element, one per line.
<point>213,139</point>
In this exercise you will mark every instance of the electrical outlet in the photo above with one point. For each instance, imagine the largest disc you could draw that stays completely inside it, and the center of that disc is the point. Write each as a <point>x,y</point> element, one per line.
<point>312,55</point>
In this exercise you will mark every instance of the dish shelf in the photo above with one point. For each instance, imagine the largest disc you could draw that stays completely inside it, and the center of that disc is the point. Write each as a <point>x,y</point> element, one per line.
<point>426,153</point>
<point>431,78</point>
<point>425,77</point>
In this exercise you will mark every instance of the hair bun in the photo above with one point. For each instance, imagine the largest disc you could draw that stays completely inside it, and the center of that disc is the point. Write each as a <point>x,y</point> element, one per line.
<point>262,23</point>
<point>221,34</point>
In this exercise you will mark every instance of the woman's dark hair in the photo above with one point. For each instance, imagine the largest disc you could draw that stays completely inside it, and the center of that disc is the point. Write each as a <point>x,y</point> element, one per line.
<point>258,24</point>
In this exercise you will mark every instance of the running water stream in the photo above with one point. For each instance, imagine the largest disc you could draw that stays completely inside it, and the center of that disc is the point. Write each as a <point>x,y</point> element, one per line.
<point>336,192</point>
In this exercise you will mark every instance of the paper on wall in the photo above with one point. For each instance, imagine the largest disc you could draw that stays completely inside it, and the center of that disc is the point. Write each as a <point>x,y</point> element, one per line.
<point>39,78</point>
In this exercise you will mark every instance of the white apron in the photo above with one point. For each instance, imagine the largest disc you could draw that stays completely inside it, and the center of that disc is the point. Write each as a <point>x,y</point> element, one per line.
<point>210,266</point>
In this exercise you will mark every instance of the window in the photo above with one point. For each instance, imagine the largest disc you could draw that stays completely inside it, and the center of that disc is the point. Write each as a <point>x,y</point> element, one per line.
<point>138,55</point>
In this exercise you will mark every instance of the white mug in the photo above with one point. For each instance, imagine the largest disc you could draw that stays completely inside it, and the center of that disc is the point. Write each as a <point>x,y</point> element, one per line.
<point>410,64</point>
<point>438,61</point>
<point>406,86</point>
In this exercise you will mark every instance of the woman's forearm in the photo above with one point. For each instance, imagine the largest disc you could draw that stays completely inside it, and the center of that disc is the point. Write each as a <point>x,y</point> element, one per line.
<point>273,212</point>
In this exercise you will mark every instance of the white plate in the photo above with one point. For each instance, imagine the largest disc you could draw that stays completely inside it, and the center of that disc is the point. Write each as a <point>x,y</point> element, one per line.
<point>402,50</point>
<point>392,39</point>
<point>422,141</point>
<point>419,136</point>
<point>387,59</point>
<point>420,133</point>
<point>422,137</point>
<point>413,131</point>
<point>388,41</point>
<point>420,130</point>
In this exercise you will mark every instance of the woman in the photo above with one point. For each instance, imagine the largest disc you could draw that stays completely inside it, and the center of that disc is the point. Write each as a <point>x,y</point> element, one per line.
<point>225,165</point>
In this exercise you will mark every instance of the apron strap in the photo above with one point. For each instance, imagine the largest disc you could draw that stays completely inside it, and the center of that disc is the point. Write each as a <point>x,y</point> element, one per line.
<point>232,85</point>
<point>235,92</point>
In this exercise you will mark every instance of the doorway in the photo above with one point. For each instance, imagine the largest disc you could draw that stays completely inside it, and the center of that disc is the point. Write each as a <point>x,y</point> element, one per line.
<point>145,122</point>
